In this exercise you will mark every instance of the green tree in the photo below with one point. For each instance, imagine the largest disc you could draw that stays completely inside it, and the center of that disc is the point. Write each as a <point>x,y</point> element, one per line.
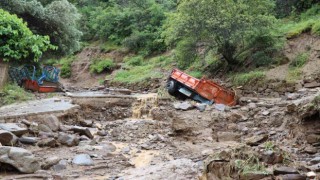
<point>226,26</point>
<point>17,42</point>
<point>57,19</point>
<point>136,24</point>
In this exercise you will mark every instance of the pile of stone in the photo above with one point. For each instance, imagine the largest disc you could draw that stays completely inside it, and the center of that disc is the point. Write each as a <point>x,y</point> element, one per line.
<point>50,132</point>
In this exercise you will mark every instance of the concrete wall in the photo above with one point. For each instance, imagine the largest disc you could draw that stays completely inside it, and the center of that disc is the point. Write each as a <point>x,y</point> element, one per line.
<point>4,67</point>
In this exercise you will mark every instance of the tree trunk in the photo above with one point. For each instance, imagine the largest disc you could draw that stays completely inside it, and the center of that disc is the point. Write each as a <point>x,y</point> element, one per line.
<point>4,68</point>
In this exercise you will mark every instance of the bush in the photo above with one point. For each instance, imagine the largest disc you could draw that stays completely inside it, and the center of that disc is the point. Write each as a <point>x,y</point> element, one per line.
<point>186,53</point>
<point>14,93</point>
<point>99,65</point>
<point>248,78</point>
<point>66,63</point>
<point>134,61</point>
<point>58,20</point>
<point>17,41</point>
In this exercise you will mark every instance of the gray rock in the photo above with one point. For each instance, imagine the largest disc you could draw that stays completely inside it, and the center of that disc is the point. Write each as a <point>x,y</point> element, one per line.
<point>50,161</point>
<point>253,176</point>
<point>7,138</point>
<point>312,84</point>
<point>252,106</point>
<point>26,122</point>
<point>313,138</point>
<point>86,123</point>
<point>15,128</point>
<point>315,168</point>
<point>311,174</point>
<point>284,170</point>
<point>256,139</point>
<point>82,131</point>
<point>126,150</point>
<point>265,113</point>
<point>28,140</point>
<point>228,136</point>
<point>220,107</point>
<point>315,160</point>
<point>62,165</point>
<point>109,147</point>
<point>84,138</point>
<point>44,128</point>
<point>293,96</point>
<point>291,177</point>
<point>82,160</point>
<point>19,158</point>
<point>184,106</point>
<point>49,142</point>
<point>68,139</point>
<point>102,133</point>
<point>201,107</point>
<point>310,149</point>
<point>52,122</point>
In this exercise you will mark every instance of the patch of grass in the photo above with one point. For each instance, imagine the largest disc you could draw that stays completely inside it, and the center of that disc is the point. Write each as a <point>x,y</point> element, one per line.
<point>196,74</point>
<point>108,47</point>
<point>269,145</point>
<point>308,21</point>
<point>66,66</point>
<point>250,165</point>
<point>248,78</point>
<point>300,60</point>
<point>299,28</point>
<point>100,65</point>
<point>13,93</point>
<point>137,74</point>
<point>134,61</point>
<point>137,69</point>
<point>294,74</point>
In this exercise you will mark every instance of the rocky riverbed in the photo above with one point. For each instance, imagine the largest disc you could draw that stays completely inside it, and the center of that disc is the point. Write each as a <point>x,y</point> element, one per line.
<point>116,136</point>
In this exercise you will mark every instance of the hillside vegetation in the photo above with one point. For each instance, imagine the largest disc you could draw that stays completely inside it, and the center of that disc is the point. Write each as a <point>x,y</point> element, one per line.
<point>210,37</point>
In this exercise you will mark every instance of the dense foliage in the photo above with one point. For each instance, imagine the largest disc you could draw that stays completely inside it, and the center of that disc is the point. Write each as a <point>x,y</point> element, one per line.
<point>57,19</point>
<point>136,24</point>
<point>224,26</point>
<point>17,41</point>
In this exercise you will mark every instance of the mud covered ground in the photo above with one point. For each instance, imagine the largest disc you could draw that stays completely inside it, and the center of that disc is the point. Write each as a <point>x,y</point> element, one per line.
<point>146,137</point>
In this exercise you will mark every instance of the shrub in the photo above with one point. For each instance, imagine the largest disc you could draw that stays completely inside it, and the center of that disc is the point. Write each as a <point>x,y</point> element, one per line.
<point>66,63</point>
<point>58,20</point>
<point>134,61</point>
<point>299,60</point>
<point>99,65</point>
<point>17,41</point>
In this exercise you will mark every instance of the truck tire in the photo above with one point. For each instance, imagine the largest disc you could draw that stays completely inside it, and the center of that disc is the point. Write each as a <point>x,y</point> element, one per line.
<point>172,87</point>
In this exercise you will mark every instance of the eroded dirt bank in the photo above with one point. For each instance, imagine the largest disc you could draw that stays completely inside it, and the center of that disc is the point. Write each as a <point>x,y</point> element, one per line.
<point>116,136</point>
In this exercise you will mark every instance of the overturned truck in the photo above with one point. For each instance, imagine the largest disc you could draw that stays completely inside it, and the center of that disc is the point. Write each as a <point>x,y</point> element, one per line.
<point>202,90</point>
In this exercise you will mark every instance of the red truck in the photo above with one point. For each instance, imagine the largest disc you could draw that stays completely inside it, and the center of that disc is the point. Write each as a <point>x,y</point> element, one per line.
<point>202,90</point>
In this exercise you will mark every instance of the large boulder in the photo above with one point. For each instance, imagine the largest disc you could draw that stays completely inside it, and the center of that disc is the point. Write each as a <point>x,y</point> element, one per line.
<point>19,158</point>
<point>15,128</point>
